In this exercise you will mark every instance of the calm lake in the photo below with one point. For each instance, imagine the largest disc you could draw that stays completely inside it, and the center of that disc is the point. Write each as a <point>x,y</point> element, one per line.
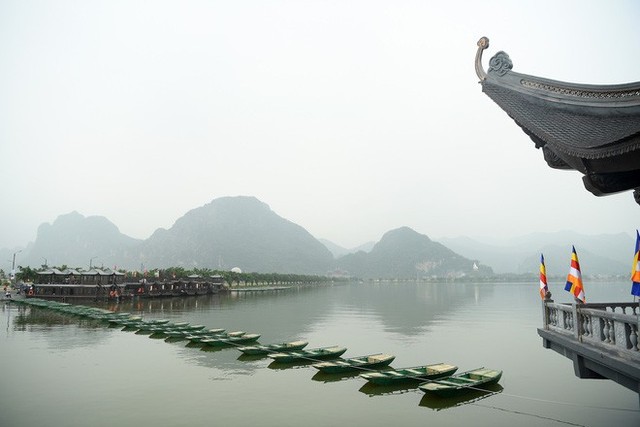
<point>67,371</point>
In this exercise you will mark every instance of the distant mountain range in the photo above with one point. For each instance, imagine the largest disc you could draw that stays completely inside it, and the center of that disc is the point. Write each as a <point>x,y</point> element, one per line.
<point>605,254</point>
<point>244,232</point>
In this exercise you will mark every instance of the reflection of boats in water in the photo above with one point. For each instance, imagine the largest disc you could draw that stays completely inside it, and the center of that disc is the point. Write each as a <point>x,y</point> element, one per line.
<point>325,377</point>
<point>277,366</point>
<point>372,389</point>
<point>438,403</point>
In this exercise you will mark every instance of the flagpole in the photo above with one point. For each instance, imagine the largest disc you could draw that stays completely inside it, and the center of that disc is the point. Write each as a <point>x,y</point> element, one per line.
<point>635,275</point>
<point>545,294</point>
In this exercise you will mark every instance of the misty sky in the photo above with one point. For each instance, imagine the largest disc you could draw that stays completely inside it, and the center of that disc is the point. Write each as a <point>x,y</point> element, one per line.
<point>349,118</point>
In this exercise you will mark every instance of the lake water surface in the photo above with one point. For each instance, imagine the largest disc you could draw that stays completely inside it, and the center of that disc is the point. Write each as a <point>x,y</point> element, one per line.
<point>60,370</point>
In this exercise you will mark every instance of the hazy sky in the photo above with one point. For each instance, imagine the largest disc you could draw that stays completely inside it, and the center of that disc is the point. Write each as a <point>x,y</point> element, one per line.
<point>349,118</point>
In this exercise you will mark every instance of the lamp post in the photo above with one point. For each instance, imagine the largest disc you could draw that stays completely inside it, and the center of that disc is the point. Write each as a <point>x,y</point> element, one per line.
<point>13,267</point>
<point>91,262</point>
<point>45,262</point>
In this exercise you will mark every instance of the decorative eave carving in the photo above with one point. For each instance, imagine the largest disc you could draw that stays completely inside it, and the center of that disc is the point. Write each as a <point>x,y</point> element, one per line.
<point>594,129</point>
<point>483,44</point>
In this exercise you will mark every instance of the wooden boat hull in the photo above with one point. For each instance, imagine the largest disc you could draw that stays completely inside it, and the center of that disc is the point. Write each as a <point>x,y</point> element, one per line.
<point>273,348</point>
<point>198,336</point>
<point>412,374</point>
<point>371,361</point>
<point>225,341</point>
<point>462,383</point>
<point>310,355</point>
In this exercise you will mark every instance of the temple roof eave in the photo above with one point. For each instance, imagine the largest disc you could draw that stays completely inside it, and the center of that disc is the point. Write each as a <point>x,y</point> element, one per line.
<point>594,129</point>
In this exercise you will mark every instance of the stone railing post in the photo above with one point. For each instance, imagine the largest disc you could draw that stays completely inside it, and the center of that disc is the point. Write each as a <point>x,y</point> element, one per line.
<point>546,311</point>
<point>577,323</point>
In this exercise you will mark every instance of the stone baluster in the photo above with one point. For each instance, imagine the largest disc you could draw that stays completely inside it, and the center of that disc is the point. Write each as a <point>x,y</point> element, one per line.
<point>605,330</point>
<point>546,315</point>
<point>602,324</point>
<point>633,337</point>
<point>612,332</point>
<point>571,321</point>
<point>587,325</point>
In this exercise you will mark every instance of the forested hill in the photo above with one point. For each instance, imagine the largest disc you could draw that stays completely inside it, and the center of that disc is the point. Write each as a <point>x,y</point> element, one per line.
<point>404,253</point>
<point>237,232</point>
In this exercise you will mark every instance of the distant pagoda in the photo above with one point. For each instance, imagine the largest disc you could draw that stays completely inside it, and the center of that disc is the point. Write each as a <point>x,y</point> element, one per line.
<point>594,129</point>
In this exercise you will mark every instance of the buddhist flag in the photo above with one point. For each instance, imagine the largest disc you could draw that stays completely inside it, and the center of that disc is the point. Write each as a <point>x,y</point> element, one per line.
<point>574,279</point>
<point>543,278</point>
<point>635,271</point>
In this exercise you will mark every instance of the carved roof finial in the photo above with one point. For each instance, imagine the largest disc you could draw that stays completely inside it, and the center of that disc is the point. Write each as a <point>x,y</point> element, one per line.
<point>483,43</point>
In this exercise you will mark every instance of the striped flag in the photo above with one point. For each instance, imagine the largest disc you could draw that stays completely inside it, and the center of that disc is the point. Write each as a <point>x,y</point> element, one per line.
<point>635,271</point>
<point>574,279</point>
<point>543,278</point>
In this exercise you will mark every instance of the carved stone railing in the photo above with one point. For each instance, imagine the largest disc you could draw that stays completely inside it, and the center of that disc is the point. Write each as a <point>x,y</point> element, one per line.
<point>611,326</point>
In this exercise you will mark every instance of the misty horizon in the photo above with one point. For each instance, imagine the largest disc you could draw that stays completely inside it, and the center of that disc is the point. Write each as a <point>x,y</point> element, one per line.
<point>485,239</point>
<point>349,118</point>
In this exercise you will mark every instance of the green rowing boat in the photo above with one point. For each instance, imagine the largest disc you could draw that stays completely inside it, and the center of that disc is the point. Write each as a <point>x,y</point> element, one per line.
<point>414,373</point>
<point>311,355</point>
<point>273,348</point>
<point>462,383</point>
<point>371,361</point>
<point>221,341</point>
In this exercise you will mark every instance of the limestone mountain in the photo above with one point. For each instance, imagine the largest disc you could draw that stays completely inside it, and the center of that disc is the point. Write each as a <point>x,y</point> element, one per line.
<point>237,232</point>
<point>244,232</point>
<point>403,253</point>
<point>77,241</point>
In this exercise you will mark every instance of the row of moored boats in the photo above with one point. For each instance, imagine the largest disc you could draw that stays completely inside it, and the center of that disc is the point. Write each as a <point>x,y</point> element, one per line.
<point>439,378</point>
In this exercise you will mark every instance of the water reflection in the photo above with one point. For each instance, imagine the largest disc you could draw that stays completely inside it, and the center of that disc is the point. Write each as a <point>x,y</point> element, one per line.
<point>405,309</point>
<point>439,403</point>
<point>172,305</point>
<point>465,324</point>
<point>371,389</point>
<point>330,378</point>
<point>251,357</point>
<point>58,330</point>
<point>408,308</point>
<point>278,366</point>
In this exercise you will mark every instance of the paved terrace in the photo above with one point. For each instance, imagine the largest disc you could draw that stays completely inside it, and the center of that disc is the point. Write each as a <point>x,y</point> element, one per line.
<point>601,339</point>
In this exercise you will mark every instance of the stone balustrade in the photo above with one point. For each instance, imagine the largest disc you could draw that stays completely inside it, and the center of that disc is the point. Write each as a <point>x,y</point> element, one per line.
<point>600,339</point>
<point>612,325</point>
